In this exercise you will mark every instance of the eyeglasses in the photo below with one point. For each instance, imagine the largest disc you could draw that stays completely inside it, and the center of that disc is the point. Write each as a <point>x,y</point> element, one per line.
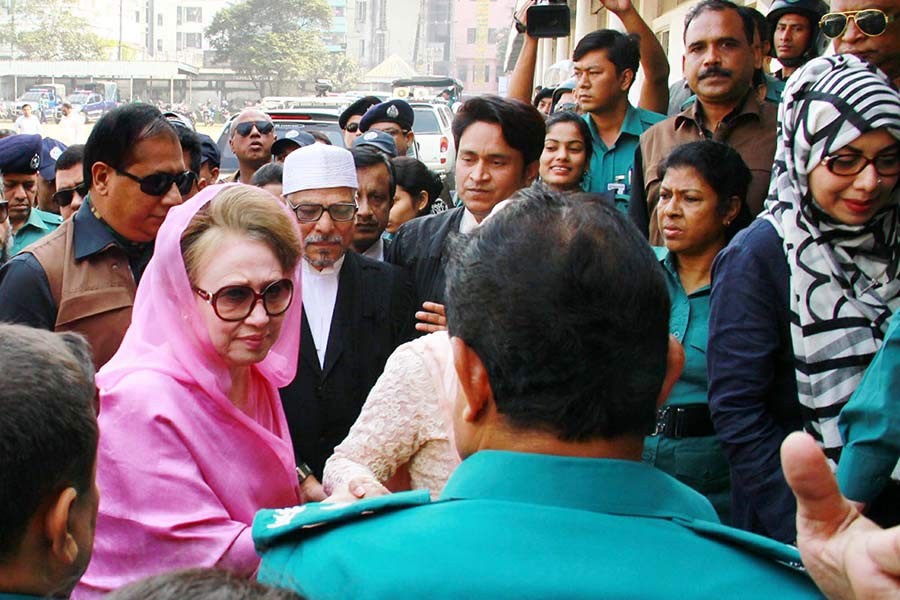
<point>244,129</point>
<point>310,213</point>
<point>886,165</point>
<point>64,196</point>
<point>159,184</point>
<point>871,21</point>
<point>352,127</point>
<point>236,302</point>
<point>394,132</point>
<point>4,211</point>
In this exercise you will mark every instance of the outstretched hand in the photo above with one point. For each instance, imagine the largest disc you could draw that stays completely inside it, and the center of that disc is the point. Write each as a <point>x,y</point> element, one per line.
<point>617,6</point>
<point>846,554</point>
<point>357,489</point>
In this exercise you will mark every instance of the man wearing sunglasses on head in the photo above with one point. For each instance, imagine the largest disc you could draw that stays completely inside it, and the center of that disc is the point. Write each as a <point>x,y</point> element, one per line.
<point>82,277</point>
<point>870,29</point>
<point>352,115</point>
<point>355,310</point>
<point>252,136</point>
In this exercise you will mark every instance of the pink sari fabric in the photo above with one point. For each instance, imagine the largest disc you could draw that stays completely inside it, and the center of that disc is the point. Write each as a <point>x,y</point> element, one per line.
<point>181,470</point>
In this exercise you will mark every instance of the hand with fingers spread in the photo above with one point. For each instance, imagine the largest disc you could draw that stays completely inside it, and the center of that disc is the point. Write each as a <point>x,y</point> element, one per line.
<point>846,554</point>
<point>432,317</point>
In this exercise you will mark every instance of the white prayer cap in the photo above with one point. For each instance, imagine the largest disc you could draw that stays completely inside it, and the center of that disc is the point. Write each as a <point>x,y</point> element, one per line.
<point>318,166</point>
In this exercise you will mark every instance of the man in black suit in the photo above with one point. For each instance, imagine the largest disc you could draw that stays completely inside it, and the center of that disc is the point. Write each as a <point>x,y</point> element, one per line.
<point>355,310</point>
<point>498,142</point>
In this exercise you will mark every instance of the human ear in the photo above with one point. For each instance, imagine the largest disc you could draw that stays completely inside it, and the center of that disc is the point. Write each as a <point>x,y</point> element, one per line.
<point>100,174</point>
<point>421,201</point>
<point>734,209</point>
<point>473,379</point>
<point>63,546</point>
<point>531,172</point>
<point>674,365</point>
<point>626,79</point>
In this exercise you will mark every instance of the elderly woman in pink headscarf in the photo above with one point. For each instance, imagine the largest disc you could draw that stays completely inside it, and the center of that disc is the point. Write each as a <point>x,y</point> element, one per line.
<point>193,437</point>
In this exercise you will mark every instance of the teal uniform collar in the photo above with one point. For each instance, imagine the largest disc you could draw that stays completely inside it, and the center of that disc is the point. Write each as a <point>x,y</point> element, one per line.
<point>36,221</point>
<point>631,125</point>
<point>11,596</point>
<point>610,486</point>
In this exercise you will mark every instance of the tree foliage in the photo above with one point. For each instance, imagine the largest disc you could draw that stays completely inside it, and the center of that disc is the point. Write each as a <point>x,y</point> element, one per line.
<point>272,41</point>
<point>342,70</point>
<point>51,31</point>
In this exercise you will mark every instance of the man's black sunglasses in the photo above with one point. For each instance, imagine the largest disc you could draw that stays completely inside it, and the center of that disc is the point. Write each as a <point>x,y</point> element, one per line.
<point>244,129</point>
<point>352,127</point>
<point>159,184</point>
<point>64,196</point>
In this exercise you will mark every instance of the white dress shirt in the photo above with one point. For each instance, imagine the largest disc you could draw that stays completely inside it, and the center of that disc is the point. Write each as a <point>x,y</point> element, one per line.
<point>319,295</point>
<point>468,222</point>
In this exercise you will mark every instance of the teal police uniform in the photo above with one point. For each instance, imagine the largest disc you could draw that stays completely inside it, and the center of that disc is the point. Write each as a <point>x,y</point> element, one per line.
<point>39,224</point>
<point>870,424</point>
<point>611,168</point>
<point>688,449</point>
<point>518,525</point>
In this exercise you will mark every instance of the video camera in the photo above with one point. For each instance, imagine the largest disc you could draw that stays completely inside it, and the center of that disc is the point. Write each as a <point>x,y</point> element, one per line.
<point>549,19</point>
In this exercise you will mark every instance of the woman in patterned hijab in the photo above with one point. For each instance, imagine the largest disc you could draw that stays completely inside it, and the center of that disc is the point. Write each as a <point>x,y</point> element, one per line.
<point>801,301</point>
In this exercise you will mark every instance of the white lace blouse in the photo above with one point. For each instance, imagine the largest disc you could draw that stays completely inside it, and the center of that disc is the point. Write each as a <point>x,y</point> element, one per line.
<point>406,419</point>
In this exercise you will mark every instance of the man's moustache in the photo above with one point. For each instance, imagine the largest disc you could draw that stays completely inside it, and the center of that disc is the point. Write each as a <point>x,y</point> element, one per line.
<point>715,71</point>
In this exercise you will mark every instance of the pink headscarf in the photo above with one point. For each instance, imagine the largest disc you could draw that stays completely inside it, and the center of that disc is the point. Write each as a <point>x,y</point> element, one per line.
<point>181,470</point>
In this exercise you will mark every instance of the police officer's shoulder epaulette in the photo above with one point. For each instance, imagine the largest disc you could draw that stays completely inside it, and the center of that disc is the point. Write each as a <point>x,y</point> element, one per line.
<point>764,547</point>
<point>271,524</point>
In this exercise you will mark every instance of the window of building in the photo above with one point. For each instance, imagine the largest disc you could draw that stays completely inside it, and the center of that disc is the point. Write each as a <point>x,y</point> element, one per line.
<point>159,45</point>
<point>487,76</point>
<point>470,35</point>
<point>663,37</point>
<point>137,16</point>
<point>193,40</point>
<point>463,72</point>
<point>159,20</point>
<point>362,54</point>
<point>492,35</point>
<point>360,11</point>
<point>193,14</point>
<point>179,16</point>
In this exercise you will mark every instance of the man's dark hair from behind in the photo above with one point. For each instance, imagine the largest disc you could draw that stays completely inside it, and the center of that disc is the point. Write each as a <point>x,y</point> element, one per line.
<point>115,135</point>
<point>521,123</point>
<point>720,5</point>
<point>70,157</point>
<point>267,174</point>
<point>200,584</point>
<point>48,428</point>
<point>760,24</point>
<point>565,304</point>
<point>622,50</point>
<point>366,157</point>
<point>190,143</point>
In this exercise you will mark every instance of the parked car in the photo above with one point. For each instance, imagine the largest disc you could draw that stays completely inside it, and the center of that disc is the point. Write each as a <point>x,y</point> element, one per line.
<point>321,119</point>
<point>91,103</point>
<point>435,139</point>
<point>44,99</point>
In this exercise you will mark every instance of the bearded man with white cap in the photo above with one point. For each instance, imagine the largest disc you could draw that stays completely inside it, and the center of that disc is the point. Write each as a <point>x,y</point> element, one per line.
<point>356,310</point>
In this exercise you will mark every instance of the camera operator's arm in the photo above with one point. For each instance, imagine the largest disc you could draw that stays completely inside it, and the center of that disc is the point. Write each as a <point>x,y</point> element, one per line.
<point>521,82</point>
<point>655,91</point>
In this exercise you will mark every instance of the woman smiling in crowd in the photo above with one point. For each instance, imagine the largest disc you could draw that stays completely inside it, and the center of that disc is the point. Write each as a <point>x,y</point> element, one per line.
<point>802,299</point>
<point>701,206</point>
<point>567,152</point>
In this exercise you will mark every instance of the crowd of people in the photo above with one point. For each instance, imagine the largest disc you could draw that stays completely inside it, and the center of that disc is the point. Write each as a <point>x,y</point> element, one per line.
<point>642,338</point>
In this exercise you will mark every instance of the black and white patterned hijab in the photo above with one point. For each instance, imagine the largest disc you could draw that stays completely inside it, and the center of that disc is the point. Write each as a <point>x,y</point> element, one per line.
<point>844,279</point>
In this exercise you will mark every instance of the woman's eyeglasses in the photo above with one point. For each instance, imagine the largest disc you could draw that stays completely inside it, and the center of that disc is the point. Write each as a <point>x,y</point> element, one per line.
<point>64,196</point>
<point>159,184</point>
<point>871,21</point>
<point>236,302</point>
<point>244,129</point>
<point>886,165</point>
<point>310,213</point>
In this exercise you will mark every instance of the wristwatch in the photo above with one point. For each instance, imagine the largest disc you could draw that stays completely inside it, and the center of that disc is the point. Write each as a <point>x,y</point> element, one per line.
<point>303,472</point>
<point>520,26</point>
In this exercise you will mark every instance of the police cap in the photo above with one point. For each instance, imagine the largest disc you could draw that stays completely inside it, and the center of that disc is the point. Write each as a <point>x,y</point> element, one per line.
<point>20,153</point>
<point>357,108</point>
<point>379,140</point>
<point>393,111</point>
